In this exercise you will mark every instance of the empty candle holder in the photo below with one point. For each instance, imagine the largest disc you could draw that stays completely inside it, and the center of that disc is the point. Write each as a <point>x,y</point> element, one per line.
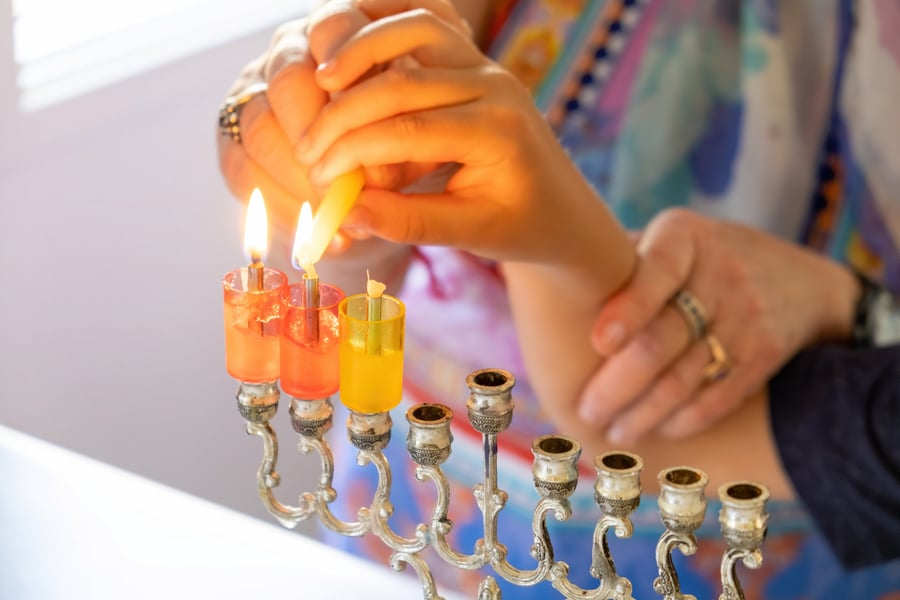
<point>490,406</point>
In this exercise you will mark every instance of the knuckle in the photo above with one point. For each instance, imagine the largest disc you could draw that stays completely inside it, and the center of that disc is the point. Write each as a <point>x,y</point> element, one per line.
<point>664,260</point>
<point>647,348</point>
<point>409,125</point>
<point>671,388</point>
<point>259,140</point>
<point>412,230</point>
<point>401,77</point>
<point>678,215</point>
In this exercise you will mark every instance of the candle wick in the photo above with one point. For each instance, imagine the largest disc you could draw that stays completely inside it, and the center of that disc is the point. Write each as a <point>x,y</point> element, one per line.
<point>312,301</point>
<point>374,300</point>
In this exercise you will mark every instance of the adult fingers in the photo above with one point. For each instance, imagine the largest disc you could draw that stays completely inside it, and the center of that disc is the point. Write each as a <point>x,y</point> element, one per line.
<point>629,373</point>
<point>388,94</point>
<point>379,9</point>
<point>432,219</point>
<point>419,34</point>
<point>267,145</point>
<point>332,25</point>
<point>716,400</point>
<point>436,136</point>
<point>667,254</point>
<point>673,388</point>
<point>242,175</point>
<point>289,70</point>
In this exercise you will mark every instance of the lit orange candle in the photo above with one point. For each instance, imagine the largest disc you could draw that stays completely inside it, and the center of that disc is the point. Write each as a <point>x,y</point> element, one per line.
<point>372,331</point>
<point>252,305</point>
<point>310,332</point>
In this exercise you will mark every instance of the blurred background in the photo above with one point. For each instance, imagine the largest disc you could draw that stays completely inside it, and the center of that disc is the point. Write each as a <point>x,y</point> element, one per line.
<point>116,229</point>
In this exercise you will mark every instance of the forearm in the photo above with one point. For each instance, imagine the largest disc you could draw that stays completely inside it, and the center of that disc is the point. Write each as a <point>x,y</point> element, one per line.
<point>555,301</point>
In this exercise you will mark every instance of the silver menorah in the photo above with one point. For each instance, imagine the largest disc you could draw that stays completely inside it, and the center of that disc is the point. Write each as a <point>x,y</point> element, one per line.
<point>617,492</point>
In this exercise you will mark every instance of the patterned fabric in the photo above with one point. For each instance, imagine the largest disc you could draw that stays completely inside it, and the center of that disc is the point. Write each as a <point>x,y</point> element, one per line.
<point>782,115</point>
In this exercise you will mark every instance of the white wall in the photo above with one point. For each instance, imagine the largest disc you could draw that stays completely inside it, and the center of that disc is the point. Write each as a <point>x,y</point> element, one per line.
<point>115,230</point>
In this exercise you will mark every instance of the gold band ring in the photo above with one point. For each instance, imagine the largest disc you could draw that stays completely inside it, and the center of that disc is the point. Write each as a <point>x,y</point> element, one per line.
<point>230,113</point>
<point>720,365</point>
<point>692,312</point>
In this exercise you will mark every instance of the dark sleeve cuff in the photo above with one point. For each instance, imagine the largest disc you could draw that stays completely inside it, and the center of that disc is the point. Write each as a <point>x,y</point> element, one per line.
<point>835,414</point>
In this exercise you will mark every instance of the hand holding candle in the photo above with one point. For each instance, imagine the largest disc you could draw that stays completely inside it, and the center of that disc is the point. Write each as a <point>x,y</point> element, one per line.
<point>332,211</point>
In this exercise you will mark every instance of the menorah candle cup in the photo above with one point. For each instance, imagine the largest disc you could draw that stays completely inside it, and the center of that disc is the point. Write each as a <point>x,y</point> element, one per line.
<point>371,354</point>
<point>682,498</point>
<point>490,404</point>
<point>252,324</point>
<point>618,488</point>
<point>743,514</point>
<point>311,418</point>
<point>369,431</point>
<point>258,402</point>
<point>555,466</point>
<point>429,438</point>
<point>310,341</point>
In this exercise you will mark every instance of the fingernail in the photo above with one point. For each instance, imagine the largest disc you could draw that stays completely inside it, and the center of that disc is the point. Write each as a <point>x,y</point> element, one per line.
<point>326,67</point>
<point>302,148</point>
<point>316,173</point>
<point>587,413</point>
<point>617,434</point>
<point>612,337</point>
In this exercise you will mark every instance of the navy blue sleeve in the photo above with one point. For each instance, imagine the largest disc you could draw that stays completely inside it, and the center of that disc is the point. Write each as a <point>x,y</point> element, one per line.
<point>835,413</point>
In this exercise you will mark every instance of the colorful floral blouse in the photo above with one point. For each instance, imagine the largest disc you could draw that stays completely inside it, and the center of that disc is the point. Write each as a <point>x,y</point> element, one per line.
<point>782,115</point>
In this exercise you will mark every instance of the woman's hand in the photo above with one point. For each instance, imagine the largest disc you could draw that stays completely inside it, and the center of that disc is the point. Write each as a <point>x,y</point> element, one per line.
<point>272,122</point>
<point>764,299</point>
<point>514,194</point>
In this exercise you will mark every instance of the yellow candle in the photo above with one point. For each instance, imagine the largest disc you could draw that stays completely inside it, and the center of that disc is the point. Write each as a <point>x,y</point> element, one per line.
<point>338,201</point>
<point>374,292</point>
<point>371,376</point>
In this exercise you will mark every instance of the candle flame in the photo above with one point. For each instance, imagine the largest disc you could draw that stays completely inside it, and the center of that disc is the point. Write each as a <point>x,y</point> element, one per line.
<point>302,253</point>
<point>256,229</point>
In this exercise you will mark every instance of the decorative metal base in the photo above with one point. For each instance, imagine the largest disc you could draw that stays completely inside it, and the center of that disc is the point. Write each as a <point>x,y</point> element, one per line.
<point>617,492</point>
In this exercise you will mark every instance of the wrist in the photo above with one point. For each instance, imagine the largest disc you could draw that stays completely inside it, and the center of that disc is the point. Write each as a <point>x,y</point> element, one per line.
<point>876,318</point>
<point>843,293</point>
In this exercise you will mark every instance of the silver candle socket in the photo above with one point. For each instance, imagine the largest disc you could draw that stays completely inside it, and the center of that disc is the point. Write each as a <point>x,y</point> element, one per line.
<point>743,520</point>
<point>490,403</point>
<point>258,402</point>
<point>429,438</point>
<point>682,498</point>
<point>743,516</point>
<point>555,466</point>
<point>311,418</point>
<point>618,488</point>
<point>682,506</point>
<point>617,492</point>
<point>369,431</point>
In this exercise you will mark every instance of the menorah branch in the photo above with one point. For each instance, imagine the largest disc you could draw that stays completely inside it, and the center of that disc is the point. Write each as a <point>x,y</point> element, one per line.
<point>617,493</point>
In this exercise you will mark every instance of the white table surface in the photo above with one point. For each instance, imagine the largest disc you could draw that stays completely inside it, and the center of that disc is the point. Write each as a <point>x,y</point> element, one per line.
<point>73,528</point>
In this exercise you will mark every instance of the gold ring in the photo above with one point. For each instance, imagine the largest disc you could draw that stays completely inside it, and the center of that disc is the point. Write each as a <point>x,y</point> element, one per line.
<point>230,113</point>
<point>720,365</point>
<point>692,312</point>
